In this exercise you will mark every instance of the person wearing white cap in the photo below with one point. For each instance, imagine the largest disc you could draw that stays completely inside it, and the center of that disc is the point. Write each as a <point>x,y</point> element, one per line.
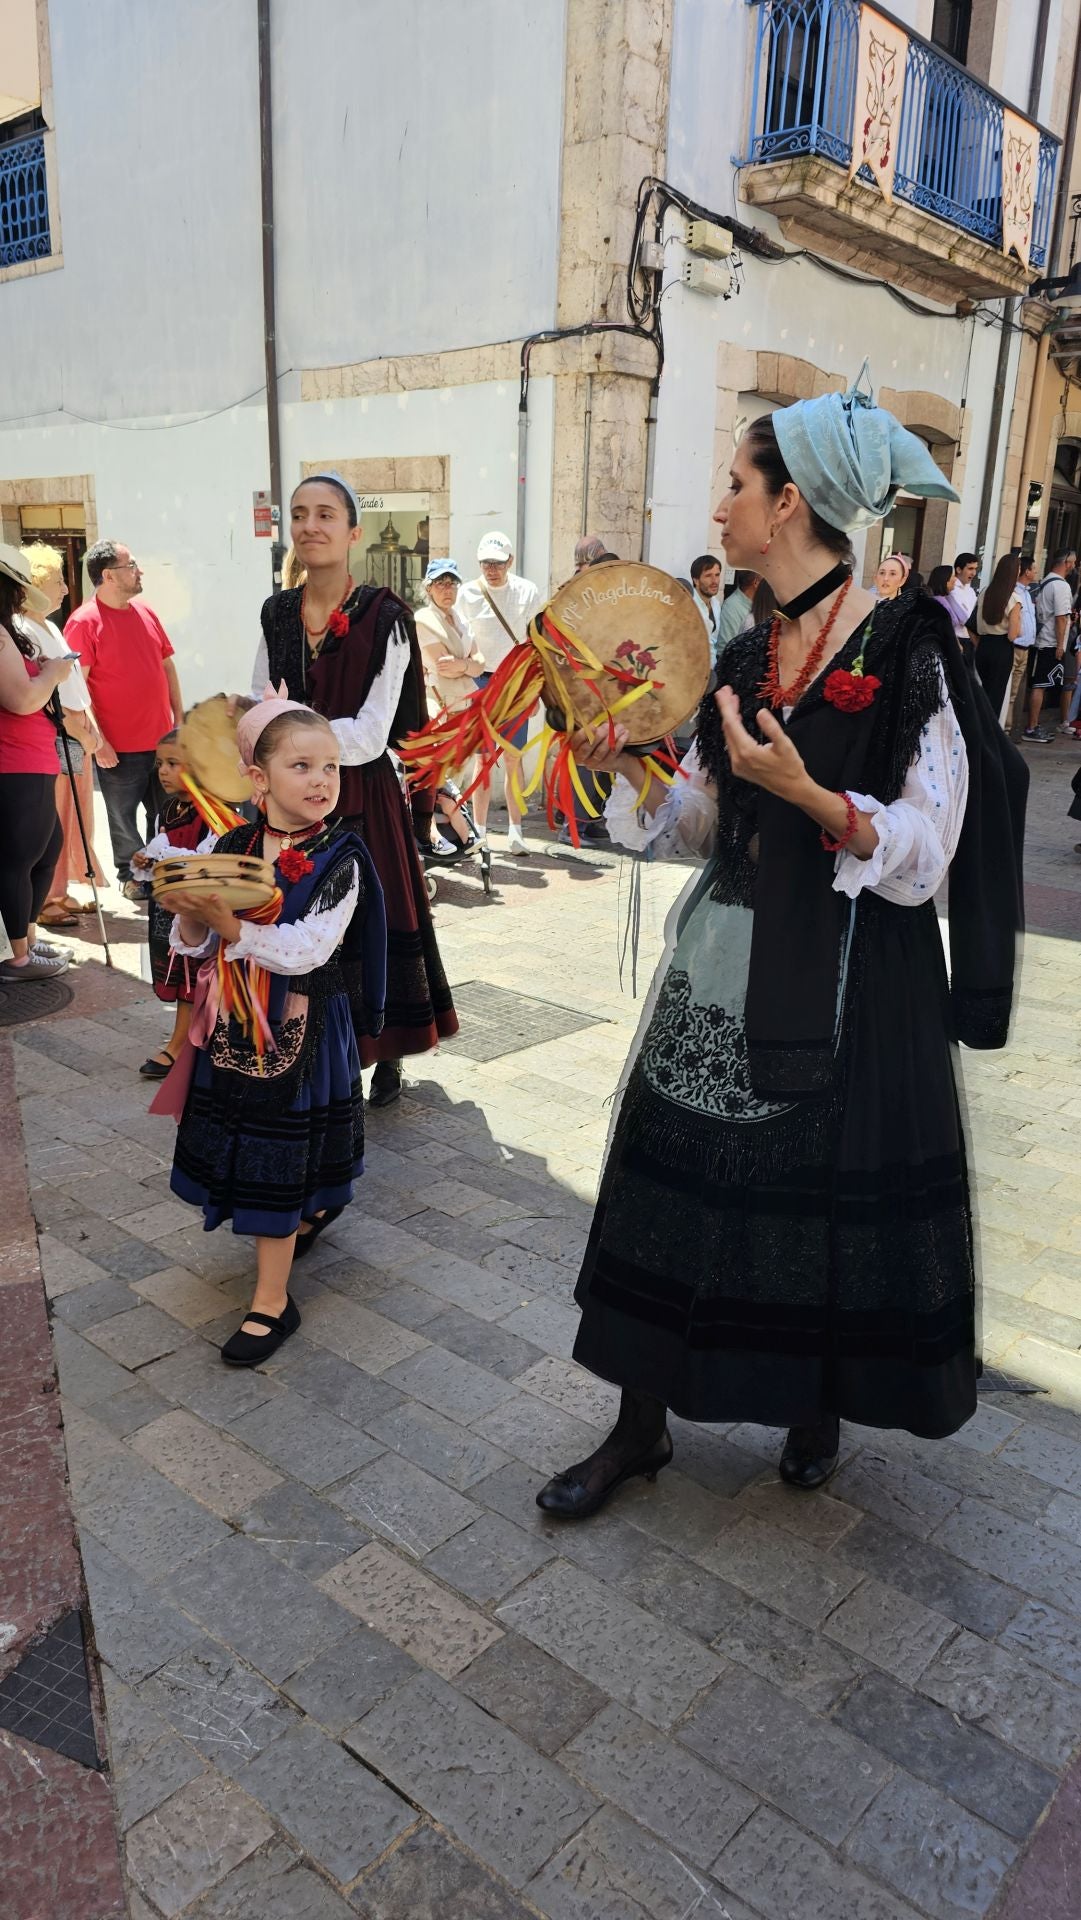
<point>498,608</point>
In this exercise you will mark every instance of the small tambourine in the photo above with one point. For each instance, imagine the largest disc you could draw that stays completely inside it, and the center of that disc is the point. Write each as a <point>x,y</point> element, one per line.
<point>646,633</point>
<point>207,745</point>
<point>239,879</point>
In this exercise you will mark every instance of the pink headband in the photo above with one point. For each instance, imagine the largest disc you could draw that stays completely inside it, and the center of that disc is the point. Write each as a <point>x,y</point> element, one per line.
<point>252,723</point>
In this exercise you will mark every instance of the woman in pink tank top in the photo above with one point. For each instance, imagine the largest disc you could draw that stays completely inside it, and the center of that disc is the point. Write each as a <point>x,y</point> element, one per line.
<point>30,832</point>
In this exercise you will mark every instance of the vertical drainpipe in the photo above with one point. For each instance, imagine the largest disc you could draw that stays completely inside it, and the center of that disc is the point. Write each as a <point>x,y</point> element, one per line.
<point>523,435</point>
<point>587,433</point>
<point>1009,314</point>
<point>270,348</point>
<point>651,454</point>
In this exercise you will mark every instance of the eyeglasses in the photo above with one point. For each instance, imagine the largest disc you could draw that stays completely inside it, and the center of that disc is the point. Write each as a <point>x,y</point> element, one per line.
<point>123,566</point>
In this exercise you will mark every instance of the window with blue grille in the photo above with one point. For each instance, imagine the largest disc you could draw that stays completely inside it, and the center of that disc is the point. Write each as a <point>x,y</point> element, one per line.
<point>24,194</point>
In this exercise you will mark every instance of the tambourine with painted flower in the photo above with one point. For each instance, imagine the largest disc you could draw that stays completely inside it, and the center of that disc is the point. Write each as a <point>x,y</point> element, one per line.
<point>620,644</point>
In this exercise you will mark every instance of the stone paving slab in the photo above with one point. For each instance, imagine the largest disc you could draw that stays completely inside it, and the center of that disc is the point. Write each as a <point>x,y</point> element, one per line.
<point>342,1644</point>
<point>472,1775</point>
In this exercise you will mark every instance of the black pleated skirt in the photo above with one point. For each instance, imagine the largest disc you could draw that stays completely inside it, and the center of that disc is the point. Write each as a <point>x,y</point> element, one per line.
<point>844,1284</point>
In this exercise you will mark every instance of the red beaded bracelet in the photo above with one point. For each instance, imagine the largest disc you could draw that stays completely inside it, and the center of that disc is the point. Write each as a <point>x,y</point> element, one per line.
<point>851,827</point>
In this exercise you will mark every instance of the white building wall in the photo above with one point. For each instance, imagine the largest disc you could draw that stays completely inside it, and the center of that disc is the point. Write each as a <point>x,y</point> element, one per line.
<point>796,309</point>
<point>157,308</point>
<point>416,174</point>
<point>180,497</point>
<point>417,156</point>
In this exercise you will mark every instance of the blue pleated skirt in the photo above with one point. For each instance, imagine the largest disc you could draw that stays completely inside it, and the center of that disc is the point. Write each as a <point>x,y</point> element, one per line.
<point>266,1170</point>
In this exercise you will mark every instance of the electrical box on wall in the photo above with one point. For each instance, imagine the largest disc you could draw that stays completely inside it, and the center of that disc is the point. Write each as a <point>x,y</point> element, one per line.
<point>708,276</point>
<point>704,237</point>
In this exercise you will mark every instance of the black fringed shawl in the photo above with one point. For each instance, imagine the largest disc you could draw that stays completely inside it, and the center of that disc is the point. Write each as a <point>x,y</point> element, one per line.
<point>339,679</point>
<point>770,855</point>
<point>359,967</point>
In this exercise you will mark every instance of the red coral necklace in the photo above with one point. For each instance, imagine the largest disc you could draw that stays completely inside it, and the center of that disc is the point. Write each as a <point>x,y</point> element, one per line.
<point>337,621</point>
<point>771,689</point>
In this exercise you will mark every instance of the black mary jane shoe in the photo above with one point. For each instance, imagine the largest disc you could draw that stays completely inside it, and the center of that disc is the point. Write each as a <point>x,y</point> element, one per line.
<point>306,1241</point>
<point>568,1498</point>
<point>251,1349</point>
<point>156,1069</point>
<point>810,1455</point>
<point>386,1084</point>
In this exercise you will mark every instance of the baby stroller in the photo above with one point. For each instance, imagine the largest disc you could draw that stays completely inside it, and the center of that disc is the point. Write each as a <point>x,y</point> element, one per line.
<point>456,840</point>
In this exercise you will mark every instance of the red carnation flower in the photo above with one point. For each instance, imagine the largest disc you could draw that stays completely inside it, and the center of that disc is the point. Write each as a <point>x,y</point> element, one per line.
<point>850,692</point>
<point>293,865</point>
<point>338,623</point>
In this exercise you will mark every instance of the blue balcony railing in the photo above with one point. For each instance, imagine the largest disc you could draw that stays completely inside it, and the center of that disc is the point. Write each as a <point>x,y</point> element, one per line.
<point>24,201</point>
<point>949,145</point>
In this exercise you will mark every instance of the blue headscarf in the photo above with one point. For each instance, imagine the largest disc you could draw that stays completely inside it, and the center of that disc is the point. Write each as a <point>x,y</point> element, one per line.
<point>850,459</point>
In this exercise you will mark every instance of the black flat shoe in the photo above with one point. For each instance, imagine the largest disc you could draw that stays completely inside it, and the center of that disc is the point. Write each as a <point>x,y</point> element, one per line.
<point>306,1241</point>
<point>386,1084</point>
<point>569,1498</point>
<point>156,1069</point>
<point>250,1349</point>
<point>810,1455</point>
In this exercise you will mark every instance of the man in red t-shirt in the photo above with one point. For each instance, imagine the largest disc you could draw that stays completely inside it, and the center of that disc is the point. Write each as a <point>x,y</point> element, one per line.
<point>127,659</point>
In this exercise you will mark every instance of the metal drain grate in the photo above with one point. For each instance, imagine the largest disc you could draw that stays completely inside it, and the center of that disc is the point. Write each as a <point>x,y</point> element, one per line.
<point>32,1001</point>
<point>496,1021</point>
<point>47,1697</point>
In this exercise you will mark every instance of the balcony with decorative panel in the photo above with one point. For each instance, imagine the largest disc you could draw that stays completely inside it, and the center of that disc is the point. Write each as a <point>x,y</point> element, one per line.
<point>941,232</point>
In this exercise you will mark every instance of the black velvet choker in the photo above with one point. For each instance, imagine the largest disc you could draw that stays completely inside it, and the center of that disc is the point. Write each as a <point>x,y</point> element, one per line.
<point>812,595</point>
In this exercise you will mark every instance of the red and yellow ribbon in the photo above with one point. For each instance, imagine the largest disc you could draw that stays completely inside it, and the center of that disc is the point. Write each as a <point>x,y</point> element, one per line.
<point>244,985</point>
<point>219,816</point>
<point>484,726</point>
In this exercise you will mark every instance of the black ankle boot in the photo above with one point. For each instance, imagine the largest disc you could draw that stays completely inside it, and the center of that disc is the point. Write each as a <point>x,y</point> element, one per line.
<point>386,1084</point>
<point>810,1454</point>
<point>639,1443</point>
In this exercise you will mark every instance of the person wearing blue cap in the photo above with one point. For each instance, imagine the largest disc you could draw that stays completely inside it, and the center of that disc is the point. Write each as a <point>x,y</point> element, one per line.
<point>783,1233</point>
<point>452,666</point>
<point>452,663</point>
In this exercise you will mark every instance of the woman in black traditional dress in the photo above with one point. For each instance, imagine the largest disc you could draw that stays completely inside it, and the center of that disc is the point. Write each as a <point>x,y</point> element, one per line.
<point>783,1232</point>
<point>351,652</point>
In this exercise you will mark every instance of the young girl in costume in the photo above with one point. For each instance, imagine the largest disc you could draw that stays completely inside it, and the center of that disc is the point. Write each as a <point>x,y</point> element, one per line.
<point>271,1131</point>
<point>179,829</point>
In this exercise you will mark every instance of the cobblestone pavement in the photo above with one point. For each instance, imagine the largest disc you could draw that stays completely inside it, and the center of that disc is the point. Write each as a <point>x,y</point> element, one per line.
<point>351,1670</point>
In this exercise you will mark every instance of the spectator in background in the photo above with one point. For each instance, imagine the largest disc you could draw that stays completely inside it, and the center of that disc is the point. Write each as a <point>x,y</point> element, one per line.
<point>30,832</point>
<point>497,608</point>
<point>61,909</point>
<point>965,568</point>
<point>590,551</point>
<point>942,586</point>
<point>1054,606</point>
<point>127,658</point>
<point>706,587</point>
<point>891,575</point>
<point>764,605</point>
<point>451,666</point>
<point>1026,637</point>
<point>998,626</point>
<point>735,614</point>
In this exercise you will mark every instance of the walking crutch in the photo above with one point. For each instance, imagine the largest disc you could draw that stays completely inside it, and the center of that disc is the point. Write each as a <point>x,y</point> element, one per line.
<point>56,715</point>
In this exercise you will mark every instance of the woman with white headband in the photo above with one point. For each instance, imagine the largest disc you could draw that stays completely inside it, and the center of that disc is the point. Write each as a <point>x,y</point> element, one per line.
<point>351,652</point>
